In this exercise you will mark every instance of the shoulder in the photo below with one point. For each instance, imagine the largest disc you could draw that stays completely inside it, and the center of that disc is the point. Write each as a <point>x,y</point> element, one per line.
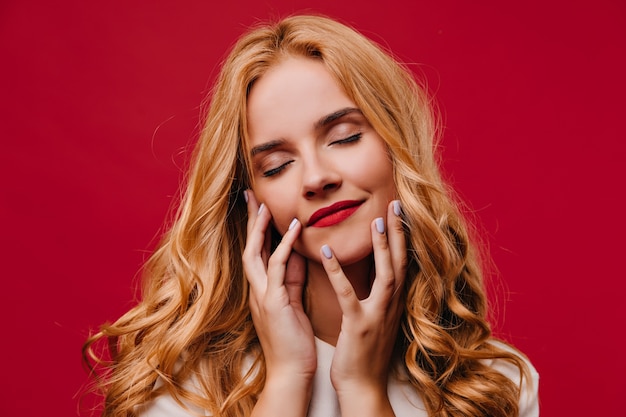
<point>529,385</point>
<point>166,406</point>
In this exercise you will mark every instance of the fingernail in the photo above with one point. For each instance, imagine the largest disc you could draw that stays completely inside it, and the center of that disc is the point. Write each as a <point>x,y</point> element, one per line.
<point>380,225</point>
<point>245,195</point>
<point>327,252</point>
<point>261,207</point>
<point>293,224</point>
<point>397,207</point>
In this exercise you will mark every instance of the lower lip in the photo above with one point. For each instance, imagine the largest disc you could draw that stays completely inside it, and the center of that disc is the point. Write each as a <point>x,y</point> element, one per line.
<point>336,217</point>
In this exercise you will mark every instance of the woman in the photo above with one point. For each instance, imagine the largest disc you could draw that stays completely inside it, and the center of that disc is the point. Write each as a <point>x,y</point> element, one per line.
<point>317,264</point>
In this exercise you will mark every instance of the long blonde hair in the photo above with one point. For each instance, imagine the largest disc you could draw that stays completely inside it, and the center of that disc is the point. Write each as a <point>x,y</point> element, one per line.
<point>193,322</point>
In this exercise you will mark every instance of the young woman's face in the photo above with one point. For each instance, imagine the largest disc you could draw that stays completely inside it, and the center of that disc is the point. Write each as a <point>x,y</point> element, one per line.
<point>316,158</point>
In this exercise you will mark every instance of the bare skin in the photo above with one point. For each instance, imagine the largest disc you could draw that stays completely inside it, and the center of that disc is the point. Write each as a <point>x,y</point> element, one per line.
<point>368,327</point>
<point>312,150</point>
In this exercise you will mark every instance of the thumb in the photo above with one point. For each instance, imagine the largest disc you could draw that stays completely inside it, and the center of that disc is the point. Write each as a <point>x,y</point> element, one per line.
<point>295,277</point>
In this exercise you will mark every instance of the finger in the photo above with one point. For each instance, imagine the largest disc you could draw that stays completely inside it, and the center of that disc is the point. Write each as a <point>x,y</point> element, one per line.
<point>256,238</point>
<point>277,263</point>
<point>267,241</point>
<point>253,258</point>
<point>295,277</point>
<point>397,243</point>
<point>252,206</point>
<point>346,296</point>
<point>254,209</point>
<point>384,281</point>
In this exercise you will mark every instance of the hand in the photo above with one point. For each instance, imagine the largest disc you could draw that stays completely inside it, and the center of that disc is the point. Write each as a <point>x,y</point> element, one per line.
<point>360,366</point>
<point>284,330</point>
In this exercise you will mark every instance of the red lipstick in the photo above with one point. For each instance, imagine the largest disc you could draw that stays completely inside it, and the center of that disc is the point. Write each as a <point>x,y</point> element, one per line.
<point>333,214</point>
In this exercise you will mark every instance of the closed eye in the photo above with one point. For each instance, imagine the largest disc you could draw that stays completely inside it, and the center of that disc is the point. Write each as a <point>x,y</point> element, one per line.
<point>277,170</point>
<point>349,139</point>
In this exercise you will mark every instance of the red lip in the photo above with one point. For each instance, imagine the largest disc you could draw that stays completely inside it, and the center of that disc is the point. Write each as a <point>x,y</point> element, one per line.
<point>333,214</point>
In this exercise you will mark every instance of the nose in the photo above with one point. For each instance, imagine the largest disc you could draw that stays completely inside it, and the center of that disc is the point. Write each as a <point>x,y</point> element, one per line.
<point>318,177</point>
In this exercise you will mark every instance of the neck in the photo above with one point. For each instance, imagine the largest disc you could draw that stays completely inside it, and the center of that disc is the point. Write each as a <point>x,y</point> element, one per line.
<point>321,302</point>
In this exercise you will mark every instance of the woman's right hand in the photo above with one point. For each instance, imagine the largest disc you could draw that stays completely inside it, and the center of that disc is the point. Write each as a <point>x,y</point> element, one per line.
<point>284,330</point>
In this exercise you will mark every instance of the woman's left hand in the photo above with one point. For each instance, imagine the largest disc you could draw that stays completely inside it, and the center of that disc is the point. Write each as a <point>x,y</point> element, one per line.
<point>369,327</point>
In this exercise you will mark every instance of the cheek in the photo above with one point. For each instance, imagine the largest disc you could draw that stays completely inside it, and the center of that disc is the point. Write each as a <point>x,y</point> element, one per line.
<point>279,202</point>
<point>376,174</point>
<point>384,171</point>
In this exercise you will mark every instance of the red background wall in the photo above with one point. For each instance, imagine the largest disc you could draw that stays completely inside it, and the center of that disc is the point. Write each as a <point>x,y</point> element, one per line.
<point>100,104</point>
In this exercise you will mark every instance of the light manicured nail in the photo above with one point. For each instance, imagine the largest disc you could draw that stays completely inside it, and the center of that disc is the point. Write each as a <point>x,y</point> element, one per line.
<point>380,225</point>
<point>293,224</point>
<point>261,207</point>
<point>245,195</point>
<point>327,252</point>
<point>397,207</point>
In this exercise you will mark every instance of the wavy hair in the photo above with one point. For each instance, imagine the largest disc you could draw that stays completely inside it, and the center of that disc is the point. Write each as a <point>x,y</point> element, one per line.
<point>193,322</point>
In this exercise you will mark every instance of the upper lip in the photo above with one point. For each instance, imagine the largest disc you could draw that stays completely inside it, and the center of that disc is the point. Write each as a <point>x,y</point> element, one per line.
<point>333,208</point>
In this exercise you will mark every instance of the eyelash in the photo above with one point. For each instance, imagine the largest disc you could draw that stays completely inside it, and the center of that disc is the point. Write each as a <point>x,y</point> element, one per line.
<point>349,139</point>
<point>278,169</point>
<point>274,171</point>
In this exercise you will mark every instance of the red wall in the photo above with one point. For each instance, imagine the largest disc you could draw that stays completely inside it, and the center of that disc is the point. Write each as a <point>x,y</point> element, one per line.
<point>100,102</point>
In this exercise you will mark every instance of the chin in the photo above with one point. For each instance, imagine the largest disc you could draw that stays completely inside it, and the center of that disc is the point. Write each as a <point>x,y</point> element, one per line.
<point>351,248</point>
<point>351,258</point>
<point>345,257</point>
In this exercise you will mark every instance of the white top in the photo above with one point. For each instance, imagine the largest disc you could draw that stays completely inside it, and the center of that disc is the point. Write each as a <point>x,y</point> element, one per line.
<point>404,398</point>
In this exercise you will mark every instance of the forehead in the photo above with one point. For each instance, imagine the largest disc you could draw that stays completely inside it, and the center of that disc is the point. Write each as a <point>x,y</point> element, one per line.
<point>290,97</point>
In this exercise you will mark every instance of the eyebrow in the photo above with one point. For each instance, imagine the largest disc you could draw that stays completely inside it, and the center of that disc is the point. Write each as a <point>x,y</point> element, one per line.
<point>328,119</point>
<point>267,146</point>
<point>322,122</point>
